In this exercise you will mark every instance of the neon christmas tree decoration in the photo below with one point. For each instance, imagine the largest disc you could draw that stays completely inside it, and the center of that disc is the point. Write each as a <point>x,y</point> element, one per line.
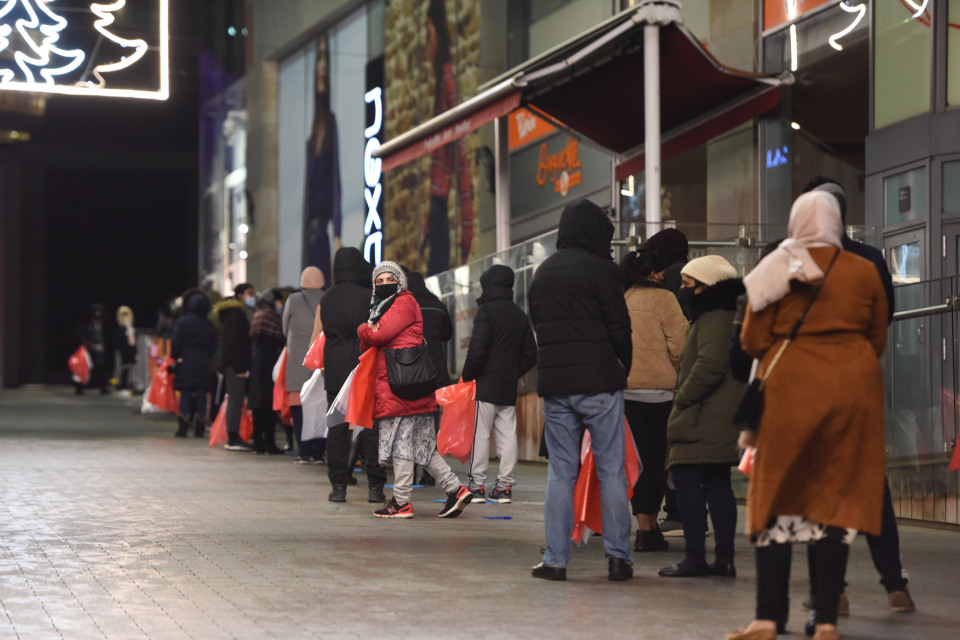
<point>70,47</point>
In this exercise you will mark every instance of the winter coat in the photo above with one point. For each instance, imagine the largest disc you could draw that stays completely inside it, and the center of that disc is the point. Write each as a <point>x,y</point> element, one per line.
<point>401,326</point>
<point>502,347</point>
<point>437,325</point>
<point>658,329</point>
<point>343,308</point>
<point>266,350</point>
<point>298,315</point>
<point>820,450</point>
<point>194,341</point>
<point>235,338</point>
<point>700,428</point>
<point>875,256</point>
<point>578,310</point>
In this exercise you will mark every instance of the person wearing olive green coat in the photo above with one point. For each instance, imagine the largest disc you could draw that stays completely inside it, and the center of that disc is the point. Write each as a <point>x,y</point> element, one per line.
<point>700,431</point>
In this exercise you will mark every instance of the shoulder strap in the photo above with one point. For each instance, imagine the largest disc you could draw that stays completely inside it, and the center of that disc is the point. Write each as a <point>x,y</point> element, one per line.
<point>800,320</point>
<point>307,302</point>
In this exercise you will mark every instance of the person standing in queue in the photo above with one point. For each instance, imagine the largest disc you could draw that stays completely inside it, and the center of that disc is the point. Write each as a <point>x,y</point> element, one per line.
<point>234,314</point>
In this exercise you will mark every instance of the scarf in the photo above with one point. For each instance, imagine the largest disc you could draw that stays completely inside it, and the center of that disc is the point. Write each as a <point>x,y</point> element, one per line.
<point>379,307</point>
<point>814,222</point>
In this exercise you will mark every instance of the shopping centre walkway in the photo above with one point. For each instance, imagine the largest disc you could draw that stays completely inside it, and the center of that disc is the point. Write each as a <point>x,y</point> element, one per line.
<point>112,528</point>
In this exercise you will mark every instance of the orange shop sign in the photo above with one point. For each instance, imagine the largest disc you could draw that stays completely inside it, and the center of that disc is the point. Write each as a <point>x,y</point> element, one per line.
<point>776,12</point>
<point>524,128</point>
<point>561,169</point>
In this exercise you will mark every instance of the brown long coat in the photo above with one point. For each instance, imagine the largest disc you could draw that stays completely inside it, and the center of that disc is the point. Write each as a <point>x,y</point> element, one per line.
<point>820,451</point>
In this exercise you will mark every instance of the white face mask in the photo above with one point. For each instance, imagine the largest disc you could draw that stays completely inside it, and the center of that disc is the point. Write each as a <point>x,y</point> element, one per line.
<point>250,302</point>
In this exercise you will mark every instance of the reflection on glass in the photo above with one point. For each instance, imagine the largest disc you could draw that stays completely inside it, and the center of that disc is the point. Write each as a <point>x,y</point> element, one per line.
<point>951,180</point>
<point>902,62</point>
<point>953,56</point>
<point>905,265</point>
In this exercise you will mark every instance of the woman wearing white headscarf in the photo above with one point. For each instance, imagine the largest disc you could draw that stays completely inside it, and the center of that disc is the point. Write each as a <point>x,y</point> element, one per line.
<point>818,473</point>
<point>407,434</point>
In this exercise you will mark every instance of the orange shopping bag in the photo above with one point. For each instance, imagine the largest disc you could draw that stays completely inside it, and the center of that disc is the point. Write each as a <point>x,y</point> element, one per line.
<point>218,431</point>
<point>586,495</point>
<point>458,420</point>
<point>360,402</point>
<point>955,461</point>
<point>80,364</point>
<point>314,357</point>
<point>281,399</point>
<point>746,462</point>
<point>161,393</point>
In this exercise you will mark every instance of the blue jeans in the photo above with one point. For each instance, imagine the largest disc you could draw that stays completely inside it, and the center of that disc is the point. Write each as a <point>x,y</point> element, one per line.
<point>566,418</point>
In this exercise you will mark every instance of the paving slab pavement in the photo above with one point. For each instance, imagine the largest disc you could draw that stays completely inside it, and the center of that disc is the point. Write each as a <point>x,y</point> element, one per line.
<point>112,528</point>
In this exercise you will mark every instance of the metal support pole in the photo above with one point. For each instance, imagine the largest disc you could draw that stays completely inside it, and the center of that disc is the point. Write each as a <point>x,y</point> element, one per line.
<point>651,123</point>
<point>502,182</point>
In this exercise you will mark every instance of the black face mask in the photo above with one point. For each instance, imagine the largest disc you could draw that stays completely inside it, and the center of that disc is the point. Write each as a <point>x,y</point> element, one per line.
<point>384,291</point>
<point>685,297</point>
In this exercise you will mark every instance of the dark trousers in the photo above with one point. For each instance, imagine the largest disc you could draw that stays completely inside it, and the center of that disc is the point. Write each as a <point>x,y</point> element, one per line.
<point>193,401</point>
<point>264,430</point>
<point>884,549</point>
<point>773,577</point>
<point>306,448</point>
<point>338,452</point>
<point>648,424</point>
<point>700,485</point>
<point>236,390</point>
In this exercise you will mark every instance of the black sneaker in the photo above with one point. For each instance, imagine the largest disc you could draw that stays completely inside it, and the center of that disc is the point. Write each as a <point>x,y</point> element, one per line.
<point>503,496</point>
<point>394,510</point>
<point>238,446</point>
<point>619,569</point>
<point>546,572</point>
<point>456,501</point>
<point>339,493</point>
<point>477,494</point>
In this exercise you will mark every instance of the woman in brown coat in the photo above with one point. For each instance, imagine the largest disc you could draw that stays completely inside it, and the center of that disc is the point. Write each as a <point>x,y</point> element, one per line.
<point>818,473</point>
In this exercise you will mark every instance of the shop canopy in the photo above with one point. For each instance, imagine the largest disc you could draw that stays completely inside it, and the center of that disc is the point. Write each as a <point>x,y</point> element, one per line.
<point>594,86</point>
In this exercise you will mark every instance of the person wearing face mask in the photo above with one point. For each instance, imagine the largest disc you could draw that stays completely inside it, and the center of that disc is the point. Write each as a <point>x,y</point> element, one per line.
<point>267,341</point>
<point>406,433</point>
<point>700,431</point>
<point>658,328</point>
<point>234,314</point>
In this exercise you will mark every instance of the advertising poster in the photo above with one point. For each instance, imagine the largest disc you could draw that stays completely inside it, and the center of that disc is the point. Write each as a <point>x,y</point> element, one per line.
<point>432,50</point>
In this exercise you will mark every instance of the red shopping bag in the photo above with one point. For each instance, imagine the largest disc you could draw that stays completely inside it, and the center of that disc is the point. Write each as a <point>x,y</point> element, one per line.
<point>360,402</point>
<point>955,461</point>
<point>746,462</point>
<point>314,357</point>
<point>586,495</point>
<point>458,420</point>
<point>80,364</point>
<point>281,400</point>
<point>161,393</point>
<point>218,431</point>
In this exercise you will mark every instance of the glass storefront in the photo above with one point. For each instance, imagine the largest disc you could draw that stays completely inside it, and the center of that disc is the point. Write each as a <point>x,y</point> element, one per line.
<point>905,197</point>
<point>953,55</point>
<point>902,61</point>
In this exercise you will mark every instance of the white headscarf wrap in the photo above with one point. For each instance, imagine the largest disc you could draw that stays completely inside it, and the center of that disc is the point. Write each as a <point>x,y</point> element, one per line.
<point>814,222</point>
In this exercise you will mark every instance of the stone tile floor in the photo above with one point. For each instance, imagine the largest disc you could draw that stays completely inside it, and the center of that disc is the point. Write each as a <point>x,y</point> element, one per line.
<point>112,528</point>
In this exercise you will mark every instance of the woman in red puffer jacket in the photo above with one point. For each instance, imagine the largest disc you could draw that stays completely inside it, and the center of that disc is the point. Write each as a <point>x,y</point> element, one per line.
<point>407,435</point>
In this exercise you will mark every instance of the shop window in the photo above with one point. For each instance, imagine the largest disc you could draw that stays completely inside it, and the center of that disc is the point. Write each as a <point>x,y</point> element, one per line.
<point>902,62</point>
<point>536,26</point>
<point>951,187</point>
<point>953,55</point>
<point>905,197</point>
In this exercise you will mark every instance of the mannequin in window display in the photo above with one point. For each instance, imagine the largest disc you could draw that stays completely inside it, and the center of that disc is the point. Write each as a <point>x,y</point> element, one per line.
<point>446,160</point>
<point>322,187</point>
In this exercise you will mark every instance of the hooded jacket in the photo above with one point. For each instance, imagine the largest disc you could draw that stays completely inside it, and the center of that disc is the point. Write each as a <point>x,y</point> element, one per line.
<point>235,337</point>
<point>437,326</point>
<point>342,309</point>
<point>502,347</point>
<point>578,310</point>
<point>700,429</point>
<point>194,341</point>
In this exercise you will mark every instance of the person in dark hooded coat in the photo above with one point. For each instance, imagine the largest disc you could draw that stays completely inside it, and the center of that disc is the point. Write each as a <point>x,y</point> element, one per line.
<point>92,337</point>
<point>235,351</point>
<point>501,350</point>
<point>194,342</point>
<point>584,351</point>
<point>437,325</point>
<point>342,309</point>
<point>266,339</point>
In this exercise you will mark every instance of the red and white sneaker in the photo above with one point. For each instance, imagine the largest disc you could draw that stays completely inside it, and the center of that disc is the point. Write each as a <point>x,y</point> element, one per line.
<point>456,501</point>
<point>394,510</point>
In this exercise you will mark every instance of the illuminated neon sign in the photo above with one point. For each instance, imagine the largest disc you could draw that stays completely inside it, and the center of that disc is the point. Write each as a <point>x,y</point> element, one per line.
<point>372,172</point>
<point>35,55</point>
<point>860,10</point>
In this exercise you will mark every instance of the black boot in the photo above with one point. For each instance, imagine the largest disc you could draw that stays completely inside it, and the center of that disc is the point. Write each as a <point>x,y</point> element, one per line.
<point>352,460</point>
<point>270,439</point>
<point>651,540</point>
<point>376,495</point>
<point>339,493</point>
<point>289,445</point>
<point>182,426</point>
<point>199,426</point>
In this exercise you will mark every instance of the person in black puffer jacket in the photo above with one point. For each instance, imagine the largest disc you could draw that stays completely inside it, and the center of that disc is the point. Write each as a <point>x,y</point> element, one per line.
<point>342,309</point>
<point>501,350</point>
<point>194,341</point>
<point>266,338</point>
<point>234,314</point>
<point>437,325</point>
<point>584,354</point>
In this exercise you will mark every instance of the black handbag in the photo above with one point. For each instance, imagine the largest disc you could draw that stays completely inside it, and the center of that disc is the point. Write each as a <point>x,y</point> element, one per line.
<point>410,372</point>
<point>749,413</point>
